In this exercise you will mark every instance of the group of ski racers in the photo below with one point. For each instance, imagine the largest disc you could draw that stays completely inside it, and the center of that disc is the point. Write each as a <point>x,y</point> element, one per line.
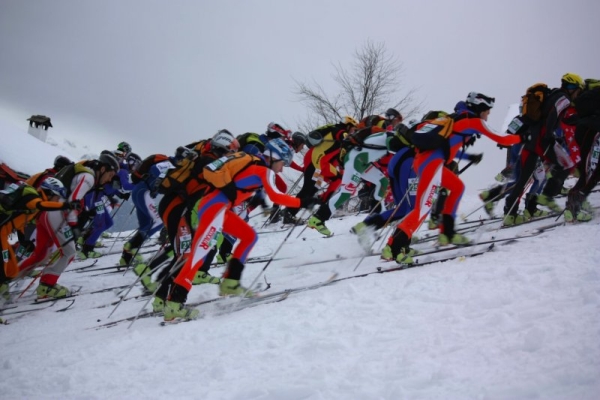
<point>208,189</point>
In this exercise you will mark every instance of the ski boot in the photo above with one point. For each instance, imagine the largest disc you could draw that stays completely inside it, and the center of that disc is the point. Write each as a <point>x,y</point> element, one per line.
<point>575,209</point>
<point>87,251</point>
<point>4,291</point>
<point>289,218</point>
<point>158,305</point>
<point>535,214</point>
<point>488,205</point>
<point>548,201</point>
<point>386,253</point>
<point>128,258</point>
<point>223,260</point>
<point>145,272</point>
<point>56,291</point>
<point>450,236</point>
<point>513,220</point>
<point>174,311</point>
<point>232,287</point>
<point>457,240</point>
<point>365,234</point>
<point>406,256</point>
<point>204,277</point>
<point>316,223</point>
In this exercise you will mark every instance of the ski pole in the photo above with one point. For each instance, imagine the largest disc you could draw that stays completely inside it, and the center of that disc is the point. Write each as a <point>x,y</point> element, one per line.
<point>174,268</point>
<point>50,262</point>
<point>272,258</point>
<point>463,169</point>
<point>139,278</point>
<point>119,234</point>
<point>289,192</point>
<point>384,227</point>
<point>528,180</point>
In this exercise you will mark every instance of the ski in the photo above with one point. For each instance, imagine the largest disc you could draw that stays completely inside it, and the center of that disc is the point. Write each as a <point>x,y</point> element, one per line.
<point>110,324</point>
<point>244,303</point>
<point>230,308</point>
<point>20,310</point>
<point>534,219</point>
<point>278,230</point>
<point>70,303</point>
<point>401,267</point>
<point>74,293</point>
<point>534,232</point>
<point>84,267</point>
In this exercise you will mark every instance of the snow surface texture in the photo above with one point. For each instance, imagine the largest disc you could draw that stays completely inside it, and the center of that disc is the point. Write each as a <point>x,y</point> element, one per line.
<point>521,322</point>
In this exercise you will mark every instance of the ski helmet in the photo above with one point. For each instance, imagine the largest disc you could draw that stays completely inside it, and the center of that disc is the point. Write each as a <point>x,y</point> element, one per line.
<point>433,114</point>
<point>108,160</point>
<point>392,113</point>
<point>184,152</point>
<point>276,131</point>
<point>133,161</point>
<point>124,147</point>
<point>348,120</point>
<point>224,141</point>
<point>314,138</point>
<point>298,138</point>
<point>478,102</point>
<point>572,81</point>
<point>60,162</point>
<point>53,186</point>
<point>277,149</point>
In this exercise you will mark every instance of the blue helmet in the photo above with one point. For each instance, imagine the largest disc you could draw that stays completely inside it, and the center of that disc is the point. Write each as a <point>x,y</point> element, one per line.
<point>277,149</point>
<point>53,186</point>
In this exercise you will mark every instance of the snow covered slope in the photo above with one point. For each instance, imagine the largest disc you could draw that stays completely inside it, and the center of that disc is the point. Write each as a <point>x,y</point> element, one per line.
<point>519,322</point>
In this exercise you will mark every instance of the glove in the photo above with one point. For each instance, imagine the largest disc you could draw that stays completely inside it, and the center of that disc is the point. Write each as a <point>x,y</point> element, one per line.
<point>471,141</point>
<point>74,205</point>
<point>76,232</point>
<point>308,202</point>
<point>124,195</point>
<point>230,191</point>
<point>475,158</point>
<point>116,183</point>
<point>525,136</point>
<point>185,152</point>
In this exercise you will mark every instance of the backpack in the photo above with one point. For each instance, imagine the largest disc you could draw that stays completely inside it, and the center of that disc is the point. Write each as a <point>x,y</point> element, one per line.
<point>66,174</point>
<point>532,102</point>
<point>359,136</point>
<point>8,175</point>
<point>223,170</point>
<point>588,103</point>
<point>12,195</point>
<point>251,138</point>
<point>37,179</point>
<point>372,120</point>
<point>431,134</point>
<point>176,179</point>
<point>140,173</point>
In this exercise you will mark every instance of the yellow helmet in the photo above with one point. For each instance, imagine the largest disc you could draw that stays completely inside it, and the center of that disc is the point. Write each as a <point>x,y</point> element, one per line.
<point>570,80</point>
<point>348,120</point>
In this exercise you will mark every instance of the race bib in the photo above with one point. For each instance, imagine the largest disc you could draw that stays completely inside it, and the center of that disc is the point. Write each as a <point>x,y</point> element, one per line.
<point>185,242</point>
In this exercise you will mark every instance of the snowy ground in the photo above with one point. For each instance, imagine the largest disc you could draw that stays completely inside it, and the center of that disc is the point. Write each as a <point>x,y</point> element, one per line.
<point>521,322</point>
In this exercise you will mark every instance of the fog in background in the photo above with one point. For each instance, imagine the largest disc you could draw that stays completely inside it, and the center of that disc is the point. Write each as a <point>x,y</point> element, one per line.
<point>158,74</point>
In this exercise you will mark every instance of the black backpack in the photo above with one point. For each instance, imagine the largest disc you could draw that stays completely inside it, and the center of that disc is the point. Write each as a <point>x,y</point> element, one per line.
<point>588,103</point>
<point>140,173</point>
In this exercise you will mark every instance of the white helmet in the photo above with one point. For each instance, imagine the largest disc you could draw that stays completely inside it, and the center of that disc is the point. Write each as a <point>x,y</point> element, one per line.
<point>223,140</point>
<point>53,186</point>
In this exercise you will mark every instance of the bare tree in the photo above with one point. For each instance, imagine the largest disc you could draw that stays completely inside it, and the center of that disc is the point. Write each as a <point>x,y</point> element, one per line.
<point>371,85</point>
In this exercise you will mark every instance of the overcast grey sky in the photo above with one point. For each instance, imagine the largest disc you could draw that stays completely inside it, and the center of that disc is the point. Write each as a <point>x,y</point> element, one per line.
<point>162,73</point>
